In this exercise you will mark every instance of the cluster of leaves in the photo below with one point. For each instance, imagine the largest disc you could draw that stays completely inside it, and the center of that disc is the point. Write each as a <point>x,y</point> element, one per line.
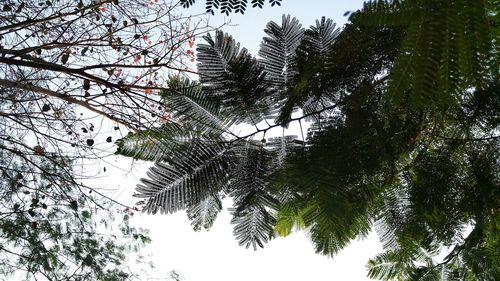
<point>198,157</point>
<point>50,228</point>
<point>417,162</point>
<point>449,46</point>
<point>228,6</point>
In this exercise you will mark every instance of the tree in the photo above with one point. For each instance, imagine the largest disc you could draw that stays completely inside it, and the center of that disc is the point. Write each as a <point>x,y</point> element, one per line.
<point>198,154</point>
<point>72,71</point>
<point>104,56</point>
<point>423,174</point>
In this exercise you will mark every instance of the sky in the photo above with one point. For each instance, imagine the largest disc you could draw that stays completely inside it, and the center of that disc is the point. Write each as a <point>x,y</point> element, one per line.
<point>215,254</point>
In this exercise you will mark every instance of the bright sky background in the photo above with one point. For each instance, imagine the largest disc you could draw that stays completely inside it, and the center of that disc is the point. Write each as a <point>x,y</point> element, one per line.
<point>215,255</point>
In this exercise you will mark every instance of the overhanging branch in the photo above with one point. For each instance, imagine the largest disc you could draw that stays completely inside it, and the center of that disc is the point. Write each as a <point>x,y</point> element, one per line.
<point>67,98</point>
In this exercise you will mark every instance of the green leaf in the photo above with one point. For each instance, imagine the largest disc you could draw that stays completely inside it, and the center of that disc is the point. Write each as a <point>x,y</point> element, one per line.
<point>84,51</point>
<point>73,205</point>
<point>64,58</point>
<point>86,214</point>
<point>86,84</point>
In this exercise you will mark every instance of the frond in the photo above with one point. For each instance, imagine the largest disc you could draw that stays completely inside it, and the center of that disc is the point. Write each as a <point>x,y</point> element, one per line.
<point>322,36</point>
<point>187,179</point>
<point>215,57</point>
<point>203,213</point>
<point>333,227</point>
<point>449,47</point>
<point>278,51</point>
<point>191,106</point>
<point>309,90</point>
<point>281,147</point>
<point>393,215</point>
<point>252,214</point>
<point>153,144</point>
<point>235,79</point>
<point>253,226</point>
<point>387,266</point>
<point>290,215</point>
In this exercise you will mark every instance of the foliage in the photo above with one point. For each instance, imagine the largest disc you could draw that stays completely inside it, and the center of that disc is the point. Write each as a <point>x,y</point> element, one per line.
<point>198,156</point>
<point>108,57</point>
<point>73,75</point>
<point>419,163</point>
<point>227,6</point>
<point>49,227</point>
<point>449,46</point>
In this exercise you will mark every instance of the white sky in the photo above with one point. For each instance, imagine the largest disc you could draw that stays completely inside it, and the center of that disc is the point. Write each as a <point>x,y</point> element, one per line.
<point>215,255</point>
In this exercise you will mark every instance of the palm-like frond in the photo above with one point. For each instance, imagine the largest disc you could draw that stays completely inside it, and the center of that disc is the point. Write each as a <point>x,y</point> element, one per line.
<point>187,180</point>
<point>393,214</point>
<point>234,78</point>
<point>309,89</point>
<point>322,36</point>
<point>387,266</point>
<point>203,213</point>
<point>333,227</point>
<point>215,56</point>
<point>277,51</point>
<point>191,106</point>
<point>413,264</point>
<point>253,203</point>
<point>153,144</point>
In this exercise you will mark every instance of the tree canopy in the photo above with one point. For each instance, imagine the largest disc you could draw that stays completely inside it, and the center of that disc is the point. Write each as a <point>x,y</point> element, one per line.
<point>403,137</point>
<point>73,75</point>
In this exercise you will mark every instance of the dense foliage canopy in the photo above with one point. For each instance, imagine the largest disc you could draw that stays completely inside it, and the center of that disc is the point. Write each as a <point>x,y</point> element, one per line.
<point>403,137</point>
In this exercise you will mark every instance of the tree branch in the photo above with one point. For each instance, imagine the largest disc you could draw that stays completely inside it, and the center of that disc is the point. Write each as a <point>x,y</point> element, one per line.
<point>70,99</point>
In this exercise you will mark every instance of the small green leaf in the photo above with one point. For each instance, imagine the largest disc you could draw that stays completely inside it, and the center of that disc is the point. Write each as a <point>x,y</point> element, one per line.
<point>86,85</point>
<point>64,58</point>
<point>84,51</point>
<point>73,205</point>
<point>86,214</point>
<point>31,213</point>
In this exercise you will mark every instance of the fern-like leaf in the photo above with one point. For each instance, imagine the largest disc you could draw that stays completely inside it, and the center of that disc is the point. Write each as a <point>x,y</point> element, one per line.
<point>187,180</point>
<point>277,51</point>
<point>234,78</point>
<point>252,215</point>
<point>449,46</point>
<point>203,213</point>
<point>191,106</point>
<point>310,90</point>
<point>154,144</point>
